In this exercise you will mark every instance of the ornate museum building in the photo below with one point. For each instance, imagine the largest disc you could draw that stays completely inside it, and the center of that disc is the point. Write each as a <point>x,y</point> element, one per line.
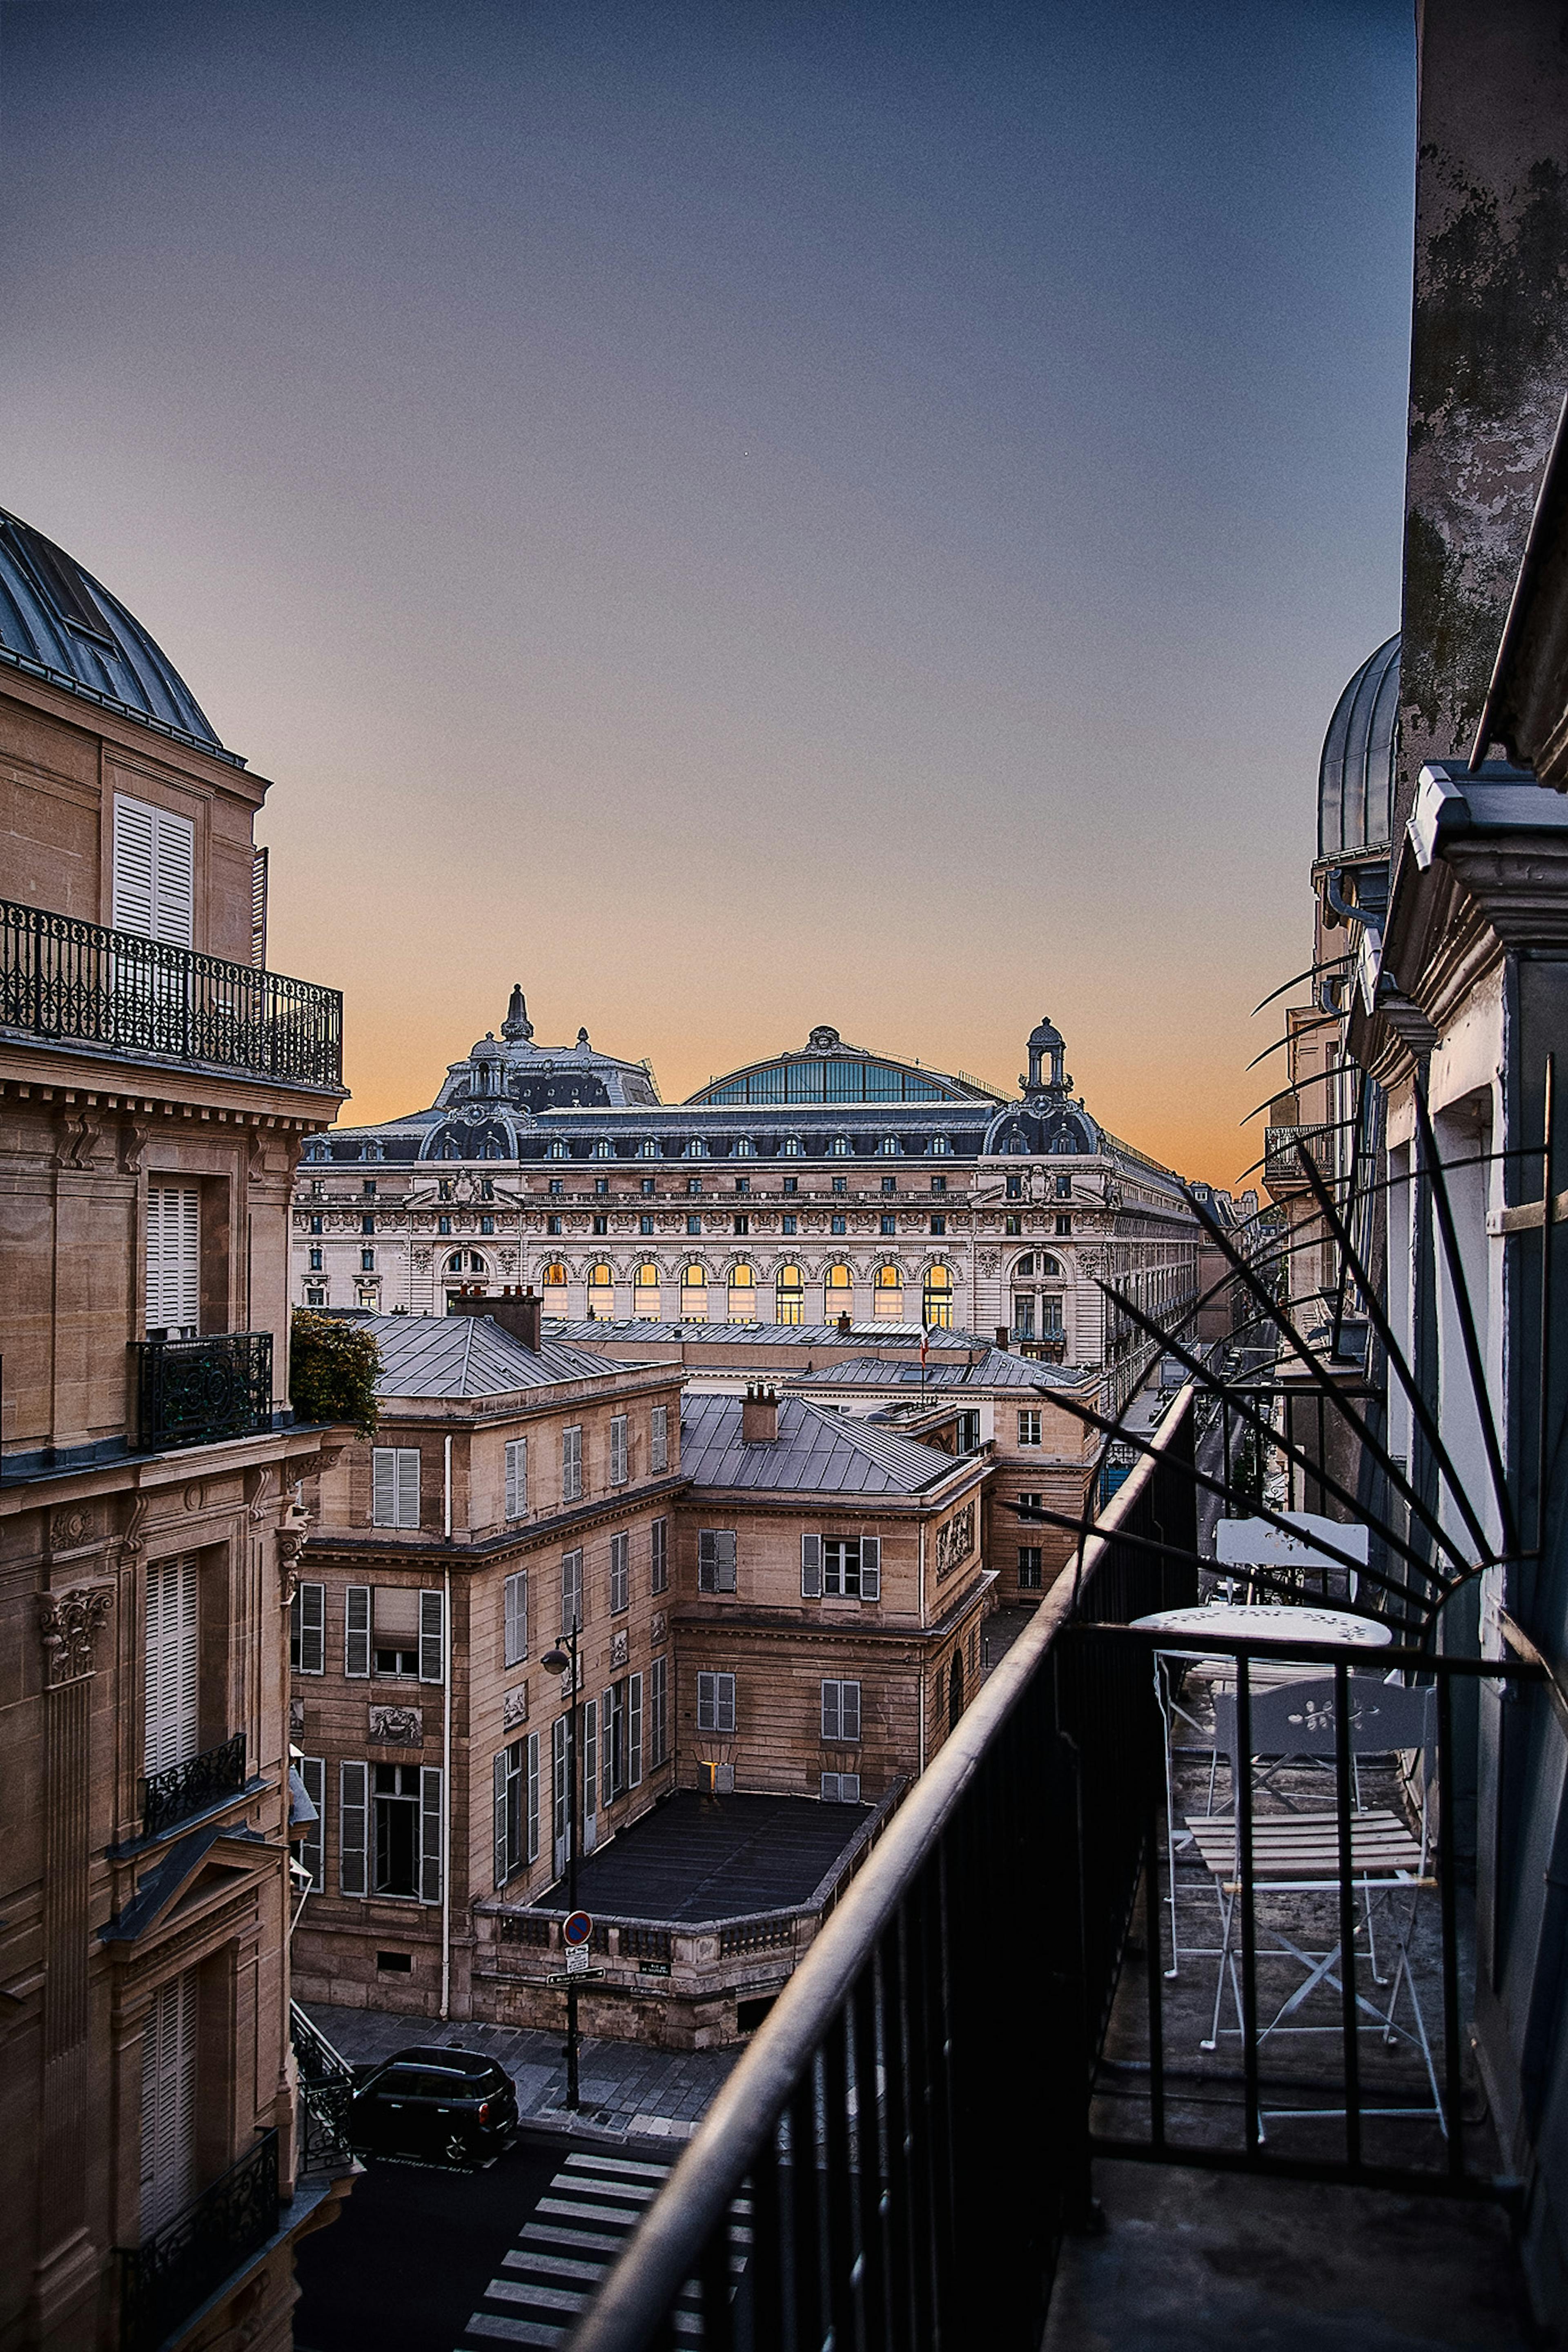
<point>822,1183</point>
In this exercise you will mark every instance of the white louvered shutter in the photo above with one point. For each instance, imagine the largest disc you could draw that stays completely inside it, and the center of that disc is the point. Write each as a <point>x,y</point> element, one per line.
<point>497,1797</point>
<point>811,1567</point>
<point>658,1446</point>
<point>850,1788</point>
<point>560,1732</point>
<point>657,1709</point>
<point>707,1561</point>
<point>258,908</point>
<point>533,1757</point>
<point>516,1627</point>
<point>830,1711</point>
<point>430,1831</point>
<point>590,1767</point>
<point>155,873</point>
<point>634,1731</point>
<point>516,1477</point>
<point>618,1450</point>
<point>432,1637</point>
<point>707,1702</point>
<point>353,1810</point>
<point>384,1486</point>
<point>310,1629</point>
<point>849,1710</point>
<point>174,1258</point>
<point>407,1515</point>
<point>870,1568</point>
<point>312,1846</point>
<point>168,2102</point>
<point>172,1662</point>
<point>356,1631</point>
<point>610,1717</point>
<point>724,1699</point>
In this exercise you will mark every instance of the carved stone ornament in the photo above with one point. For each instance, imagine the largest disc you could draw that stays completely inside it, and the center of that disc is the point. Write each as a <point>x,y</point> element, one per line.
<point>80,1132</point>
<point>133,1135</point>
<point>657,1626</point>
<point>514,1708</point>
<point>397,1726</point>
<point>67,1622</point>
<point>257,1481</point>
<point>134,1534</point>
<point>76,1524</point>
<point>291,1537</point>
<point>195,1495</point>
<point>620,1647</point>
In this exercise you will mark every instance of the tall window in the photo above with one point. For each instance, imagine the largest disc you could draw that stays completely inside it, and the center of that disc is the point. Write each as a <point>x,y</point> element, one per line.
<point>888,1294</point>
<point>715,1702</point>
<point>172,1659</point>
<point>601,1293</point>
<point>313,1844</point>
<point>716,1559</point>
<point>841,1568</point>
<point>789,1295</point>
<point>155,873</point>
<point>394,1487</point>
<point>516,1618</point>
<point>553,1278</point>
<point>516,1477</point>
<point>645,1289</point>
<point>694,1293</point>
<point>658,1438</point>
<point>658,1714</point>
<point>168,2102</point>
<point>839,1146</point>
<point>516,1796</point>
<point>1030,1568</point>
<point>1028,1429</point>
<point>837,1291</point>
<point>659,1556</point>
<point>742,1294</point>
<point>572,1592</point>
<point>936,1303</point>
<point>620,1579</point>
<point>620,1451</point>
<point>572,1465</point>
<point>174,1258</point>
<point>406,1830</point>
<point>308,1630</point>
<point>840,1710</point>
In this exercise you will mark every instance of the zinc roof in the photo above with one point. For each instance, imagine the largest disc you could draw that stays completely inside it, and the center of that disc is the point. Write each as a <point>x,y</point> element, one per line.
<point>469,1356</point>
<point>995,1368</point>
<point>819,1451</point>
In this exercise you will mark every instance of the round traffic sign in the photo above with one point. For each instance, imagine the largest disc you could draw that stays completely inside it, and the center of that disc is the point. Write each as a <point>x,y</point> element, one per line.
<point>578,1928</point>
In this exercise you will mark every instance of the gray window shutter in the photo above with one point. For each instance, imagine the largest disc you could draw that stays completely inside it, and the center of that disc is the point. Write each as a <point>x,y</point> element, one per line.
<point>313,1846</point>
<point>590,1759</point>
<point>516,1617</point>
<point>870,1568</point>
<point>516,1477</point>
<point>432,1627</point>
<point>726,1703</point>
<point>830,1711</point>
<point>634,1731</point>
<point>532,1752</point>
<point>849,1710</point>
<point>707,1561</point>
<point>498,1793</point>
<point>811,1567</point>
<point>657,1749</point>
<point>351,1810</point>
<point>707,1702</point>
<point>850,1788</point>
<point>725,1540</point>
<point>356,1631</point>
<point>830,1787</point>
<point>559,1734</point>
<point>610,1719</point>
<point>430,1831</point>
<point>407,1486</point>
<point>312,1601</point>
<point>384,1486</point>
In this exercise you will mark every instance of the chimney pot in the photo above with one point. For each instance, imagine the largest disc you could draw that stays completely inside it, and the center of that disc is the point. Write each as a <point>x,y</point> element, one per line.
<point>1000,1335</point>
<point>843,1326</point>
<point>760,1416</point>
<point>518,1314</point>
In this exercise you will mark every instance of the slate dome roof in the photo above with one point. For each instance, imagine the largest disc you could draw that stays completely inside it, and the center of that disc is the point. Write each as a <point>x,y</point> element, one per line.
<point>1355,775</point>
<point>57,619</point>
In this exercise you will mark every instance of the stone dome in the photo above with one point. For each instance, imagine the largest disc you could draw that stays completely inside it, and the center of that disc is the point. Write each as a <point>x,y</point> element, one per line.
<point>1355,774</point>
<point>57,619</point>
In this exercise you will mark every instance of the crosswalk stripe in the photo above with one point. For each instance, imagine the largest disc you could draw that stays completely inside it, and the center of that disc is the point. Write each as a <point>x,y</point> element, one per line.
<point>590,2239</point>
<point>638,2191</point>
<point>515,2331</point>
<point>627,2217</point>
<point>620,2164</point>
<point>555,2266</point>
<point>547,2298</point>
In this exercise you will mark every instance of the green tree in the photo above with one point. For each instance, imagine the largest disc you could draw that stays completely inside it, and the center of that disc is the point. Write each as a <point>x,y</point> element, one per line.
<point>333,1369</point>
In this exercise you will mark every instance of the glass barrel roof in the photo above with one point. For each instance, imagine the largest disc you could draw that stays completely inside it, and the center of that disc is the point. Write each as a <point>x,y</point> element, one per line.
<point>804,1078</point>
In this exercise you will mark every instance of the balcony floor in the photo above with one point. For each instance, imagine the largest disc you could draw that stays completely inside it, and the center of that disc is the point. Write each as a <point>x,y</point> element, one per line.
<point>1193,2261</point>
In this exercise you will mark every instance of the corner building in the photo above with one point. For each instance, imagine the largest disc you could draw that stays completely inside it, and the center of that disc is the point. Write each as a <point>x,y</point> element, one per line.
<point>824,1182</point>
<point>156,1085</point>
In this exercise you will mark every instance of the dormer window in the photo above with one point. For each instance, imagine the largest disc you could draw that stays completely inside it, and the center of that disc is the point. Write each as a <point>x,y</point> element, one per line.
<point>744,1148</point>
<point>557,1151</point>
<point>696,1149</point>
<point>941,1143</point>
<point>648,1147</point>
<point>603,1149</point>
<point>839,1146</point>
<point>889,1144</point>
<point>791,1147</point>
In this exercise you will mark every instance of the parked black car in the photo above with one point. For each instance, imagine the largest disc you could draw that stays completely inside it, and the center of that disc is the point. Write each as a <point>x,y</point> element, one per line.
<point>444,2106</point>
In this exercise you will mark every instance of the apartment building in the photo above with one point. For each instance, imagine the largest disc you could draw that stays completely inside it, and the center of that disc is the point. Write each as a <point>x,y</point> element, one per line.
<point>515,1492</point>
<point>157,1083</point>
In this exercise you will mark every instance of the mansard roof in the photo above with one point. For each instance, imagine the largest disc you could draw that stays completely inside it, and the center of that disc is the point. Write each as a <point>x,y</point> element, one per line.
<point>453,1356</point>
<point>819,1451</point>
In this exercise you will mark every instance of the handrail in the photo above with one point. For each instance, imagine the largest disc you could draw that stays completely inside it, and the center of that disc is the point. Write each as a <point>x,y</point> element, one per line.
<point>668,2244</point>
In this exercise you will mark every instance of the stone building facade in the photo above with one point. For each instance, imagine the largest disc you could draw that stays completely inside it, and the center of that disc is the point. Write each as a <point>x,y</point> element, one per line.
<point>156,1085</point>
<point>823,1183</point>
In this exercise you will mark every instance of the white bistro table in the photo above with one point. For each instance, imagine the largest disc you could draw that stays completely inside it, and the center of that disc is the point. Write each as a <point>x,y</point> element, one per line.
<point>1284,1624</point>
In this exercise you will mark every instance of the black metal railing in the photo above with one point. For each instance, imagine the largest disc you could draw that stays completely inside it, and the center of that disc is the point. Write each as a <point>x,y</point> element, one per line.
<point>861,2179</point>
<point>191,1786</point>
<point>77,983</point>
<point>195,1392</point>
<point>1281,1156</point>
<point>168,2276</point>
<point>327,2087</point>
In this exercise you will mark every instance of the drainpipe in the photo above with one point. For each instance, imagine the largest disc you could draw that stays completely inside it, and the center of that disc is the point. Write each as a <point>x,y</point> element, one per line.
<point>446,1742</point>
<point>922,1678</point>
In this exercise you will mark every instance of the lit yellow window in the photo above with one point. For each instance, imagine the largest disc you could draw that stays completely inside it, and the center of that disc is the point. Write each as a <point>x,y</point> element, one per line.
<point>938,1303</point>
<point>554,1277</point>
<point>888,1294</point>
<point>789,1293</point>
<point>645,1291</point>
<point>601,1293</point>
<point>693,1294</point>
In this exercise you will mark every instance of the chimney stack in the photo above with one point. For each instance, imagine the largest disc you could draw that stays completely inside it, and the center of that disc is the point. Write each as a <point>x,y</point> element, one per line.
<point>843,1326</point>
<point>760,1417</point>
<point>516,1312</point>
<point>1000,1335</point>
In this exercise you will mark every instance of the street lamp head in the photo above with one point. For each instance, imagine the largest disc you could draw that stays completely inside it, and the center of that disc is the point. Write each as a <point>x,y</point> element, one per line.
<point>556,1662</point>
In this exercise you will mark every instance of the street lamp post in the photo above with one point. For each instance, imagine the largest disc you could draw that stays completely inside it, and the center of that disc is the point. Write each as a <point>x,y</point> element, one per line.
<point>563,1661</point>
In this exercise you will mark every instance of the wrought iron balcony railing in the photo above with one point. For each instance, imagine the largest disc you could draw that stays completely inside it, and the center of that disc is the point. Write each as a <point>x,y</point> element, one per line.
<point>167,2277</point>
<point>327,2087</point>
<point>1282,1169</point>
<point>79,985</point>
<point>191,1786</point>
<point>197,1392</point>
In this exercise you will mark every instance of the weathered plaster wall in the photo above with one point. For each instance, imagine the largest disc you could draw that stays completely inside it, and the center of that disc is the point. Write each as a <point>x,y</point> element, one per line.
<point>1488,347</point>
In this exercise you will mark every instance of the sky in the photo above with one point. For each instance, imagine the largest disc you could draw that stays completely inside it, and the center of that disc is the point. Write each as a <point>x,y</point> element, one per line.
<point>740,516</point>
